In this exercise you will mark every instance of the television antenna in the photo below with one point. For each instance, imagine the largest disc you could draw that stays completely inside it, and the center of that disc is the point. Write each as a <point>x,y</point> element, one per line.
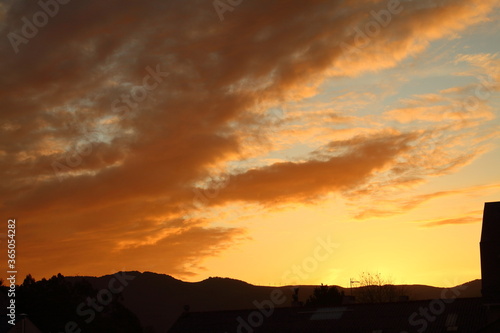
<point>351,282</point>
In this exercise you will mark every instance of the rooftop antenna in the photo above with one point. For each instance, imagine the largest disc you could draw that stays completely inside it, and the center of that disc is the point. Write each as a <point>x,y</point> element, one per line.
<point>351,282</point>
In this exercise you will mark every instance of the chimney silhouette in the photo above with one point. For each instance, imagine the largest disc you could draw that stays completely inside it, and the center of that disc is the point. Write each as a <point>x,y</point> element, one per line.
<point>490,253</point>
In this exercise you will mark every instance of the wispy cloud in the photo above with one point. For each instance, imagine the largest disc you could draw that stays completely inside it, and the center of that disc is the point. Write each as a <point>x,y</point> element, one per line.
<point>452,221</point>
<point>403,205</point>
<point>125,191</point>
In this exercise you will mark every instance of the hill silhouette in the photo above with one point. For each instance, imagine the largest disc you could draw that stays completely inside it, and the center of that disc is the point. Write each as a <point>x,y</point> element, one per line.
<point>159,299</point>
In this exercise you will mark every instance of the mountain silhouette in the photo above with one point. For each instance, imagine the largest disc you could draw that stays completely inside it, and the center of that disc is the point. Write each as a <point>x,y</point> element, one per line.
<point>159,299</point>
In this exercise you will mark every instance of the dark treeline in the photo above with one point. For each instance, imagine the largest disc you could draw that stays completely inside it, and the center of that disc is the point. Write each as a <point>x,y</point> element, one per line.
<point>58,305</point>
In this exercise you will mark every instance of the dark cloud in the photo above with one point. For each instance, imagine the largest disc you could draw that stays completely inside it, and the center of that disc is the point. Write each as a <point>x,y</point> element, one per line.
<point>85,172</point>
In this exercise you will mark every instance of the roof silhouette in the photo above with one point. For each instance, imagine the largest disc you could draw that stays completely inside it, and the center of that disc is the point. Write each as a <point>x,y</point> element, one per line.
<point>465,314</point>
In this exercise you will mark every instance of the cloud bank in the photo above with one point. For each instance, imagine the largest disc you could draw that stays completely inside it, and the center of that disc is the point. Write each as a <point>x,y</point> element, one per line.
<point>114,113</point>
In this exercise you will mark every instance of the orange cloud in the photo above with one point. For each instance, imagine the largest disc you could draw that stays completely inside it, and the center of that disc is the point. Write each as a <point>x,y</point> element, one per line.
<point>114,110</point>
<point>403,205</point>
<point>453,221</point>
<point>299,181</point>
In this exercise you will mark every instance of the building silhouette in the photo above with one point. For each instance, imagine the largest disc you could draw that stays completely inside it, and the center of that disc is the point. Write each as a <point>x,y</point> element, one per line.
<point>490,253</point>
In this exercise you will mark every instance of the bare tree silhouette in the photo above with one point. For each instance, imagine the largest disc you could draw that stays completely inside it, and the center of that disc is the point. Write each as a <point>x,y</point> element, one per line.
<point>374,288</point>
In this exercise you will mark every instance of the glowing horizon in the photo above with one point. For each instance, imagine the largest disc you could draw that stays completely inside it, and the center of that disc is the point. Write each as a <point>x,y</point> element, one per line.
<point>194,141</point>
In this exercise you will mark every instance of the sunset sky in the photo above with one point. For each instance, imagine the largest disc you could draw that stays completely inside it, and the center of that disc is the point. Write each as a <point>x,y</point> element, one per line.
<point>198,138</point>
